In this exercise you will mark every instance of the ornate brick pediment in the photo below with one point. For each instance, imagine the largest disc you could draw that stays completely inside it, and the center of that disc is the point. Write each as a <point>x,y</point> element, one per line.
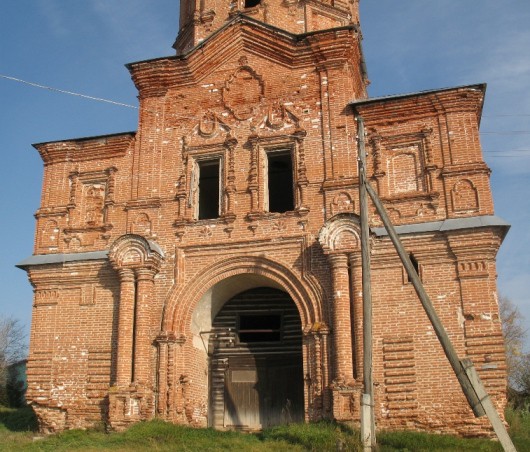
<point>341,233</point>
<point>134,251</point>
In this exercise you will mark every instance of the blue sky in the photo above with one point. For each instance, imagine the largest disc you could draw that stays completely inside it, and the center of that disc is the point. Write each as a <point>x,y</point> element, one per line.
<point>409,45</point>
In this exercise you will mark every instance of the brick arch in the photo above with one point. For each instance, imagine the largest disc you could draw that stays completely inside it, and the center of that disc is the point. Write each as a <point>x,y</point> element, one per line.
<point>341,232</point>
<point>184,300</point>
<point>133,250</point>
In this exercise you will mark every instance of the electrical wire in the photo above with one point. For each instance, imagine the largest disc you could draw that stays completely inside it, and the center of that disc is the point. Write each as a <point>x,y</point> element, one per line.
<point>71,93</point>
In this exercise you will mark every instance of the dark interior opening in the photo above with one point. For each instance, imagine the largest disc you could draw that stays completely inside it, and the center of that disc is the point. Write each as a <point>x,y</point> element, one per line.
<point>415,264</point>
<point>260,328</point>
<point>281,192</point>
<point>252,3</point>
<point>208,189</point>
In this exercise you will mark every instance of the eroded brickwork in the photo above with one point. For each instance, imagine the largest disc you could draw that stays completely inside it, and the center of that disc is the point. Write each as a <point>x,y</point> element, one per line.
<point>131,267</point>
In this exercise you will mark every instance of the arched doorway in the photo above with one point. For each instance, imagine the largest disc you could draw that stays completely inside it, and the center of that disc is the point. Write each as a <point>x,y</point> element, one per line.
<point>256,366</point>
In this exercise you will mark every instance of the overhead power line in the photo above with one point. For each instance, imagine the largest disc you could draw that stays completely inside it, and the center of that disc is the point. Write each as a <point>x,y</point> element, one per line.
<point>71,93</point>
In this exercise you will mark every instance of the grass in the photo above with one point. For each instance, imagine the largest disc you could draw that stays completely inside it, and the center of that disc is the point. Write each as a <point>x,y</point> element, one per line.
<point>416,441</point>
<point>18,432</point>
<point>519,421</point>
<point>16,427</point>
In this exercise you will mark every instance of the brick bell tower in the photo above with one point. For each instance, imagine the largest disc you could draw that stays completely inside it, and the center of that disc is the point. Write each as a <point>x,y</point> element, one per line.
<point>201,18</point>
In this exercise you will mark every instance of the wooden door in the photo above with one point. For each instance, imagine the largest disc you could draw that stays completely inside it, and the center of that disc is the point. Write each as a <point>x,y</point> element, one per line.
<point>259,382</point>
<point>265,393</point>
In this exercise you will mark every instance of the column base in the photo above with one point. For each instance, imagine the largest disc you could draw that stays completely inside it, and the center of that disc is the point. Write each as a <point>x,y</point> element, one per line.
<point>128,405</point>
<point>347,402</point>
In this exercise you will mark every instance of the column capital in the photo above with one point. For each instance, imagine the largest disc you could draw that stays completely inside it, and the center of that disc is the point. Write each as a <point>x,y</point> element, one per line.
<point>145,274</point>
<point>338,260</point>
<point>126,274</point>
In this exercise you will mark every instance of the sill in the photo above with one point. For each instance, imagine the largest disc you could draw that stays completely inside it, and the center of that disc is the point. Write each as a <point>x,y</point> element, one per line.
<point>299,212</point>
<point>223,219</point>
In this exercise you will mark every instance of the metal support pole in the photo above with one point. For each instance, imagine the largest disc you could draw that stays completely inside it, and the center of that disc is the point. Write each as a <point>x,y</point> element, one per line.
<point>367,400</point>
<point>447,346</point>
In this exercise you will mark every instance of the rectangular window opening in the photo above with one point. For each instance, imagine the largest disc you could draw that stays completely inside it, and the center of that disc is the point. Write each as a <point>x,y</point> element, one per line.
<point>416,266</point>
<point>280,181</point>
<point>260,328</point>
<point>209,180</point>
<point>252,3</point>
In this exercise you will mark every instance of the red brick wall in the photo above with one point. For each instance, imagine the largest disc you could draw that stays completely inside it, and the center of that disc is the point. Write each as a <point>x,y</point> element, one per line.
<point>244,92</point>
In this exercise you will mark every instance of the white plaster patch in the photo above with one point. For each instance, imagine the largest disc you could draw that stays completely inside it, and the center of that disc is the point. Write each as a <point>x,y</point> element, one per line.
<point>460,316</point>
<point>486,316</point>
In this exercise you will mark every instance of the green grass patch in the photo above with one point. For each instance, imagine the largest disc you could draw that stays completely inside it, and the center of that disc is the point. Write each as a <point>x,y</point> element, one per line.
<point>17,432</point>
<point>18,419</point>
<point>320,436</point>
<point>17,427</point>
<point>416,441</point>
<point>519,421</point>
<point>153,436</point>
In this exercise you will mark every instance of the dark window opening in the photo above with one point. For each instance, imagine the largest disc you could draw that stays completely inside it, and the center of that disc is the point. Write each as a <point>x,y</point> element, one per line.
<point>260,328</point>
<point>208,189</point>
<point>280,184</point>
<point>252,3</point>
<point>415,264</point>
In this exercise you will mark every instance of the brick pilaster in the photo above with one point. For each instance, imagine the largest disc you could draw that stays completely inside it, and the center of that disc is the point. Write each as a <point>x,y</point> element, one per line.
<point>125,327</point>
<point>342,352</point>
<point>142,350</point>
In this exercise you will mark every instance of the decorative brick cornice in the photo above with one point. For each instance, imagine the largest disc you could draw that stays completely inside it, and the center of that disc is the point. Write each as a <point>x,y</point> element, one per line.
<point>154,77</point>
<point>83,149</point>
